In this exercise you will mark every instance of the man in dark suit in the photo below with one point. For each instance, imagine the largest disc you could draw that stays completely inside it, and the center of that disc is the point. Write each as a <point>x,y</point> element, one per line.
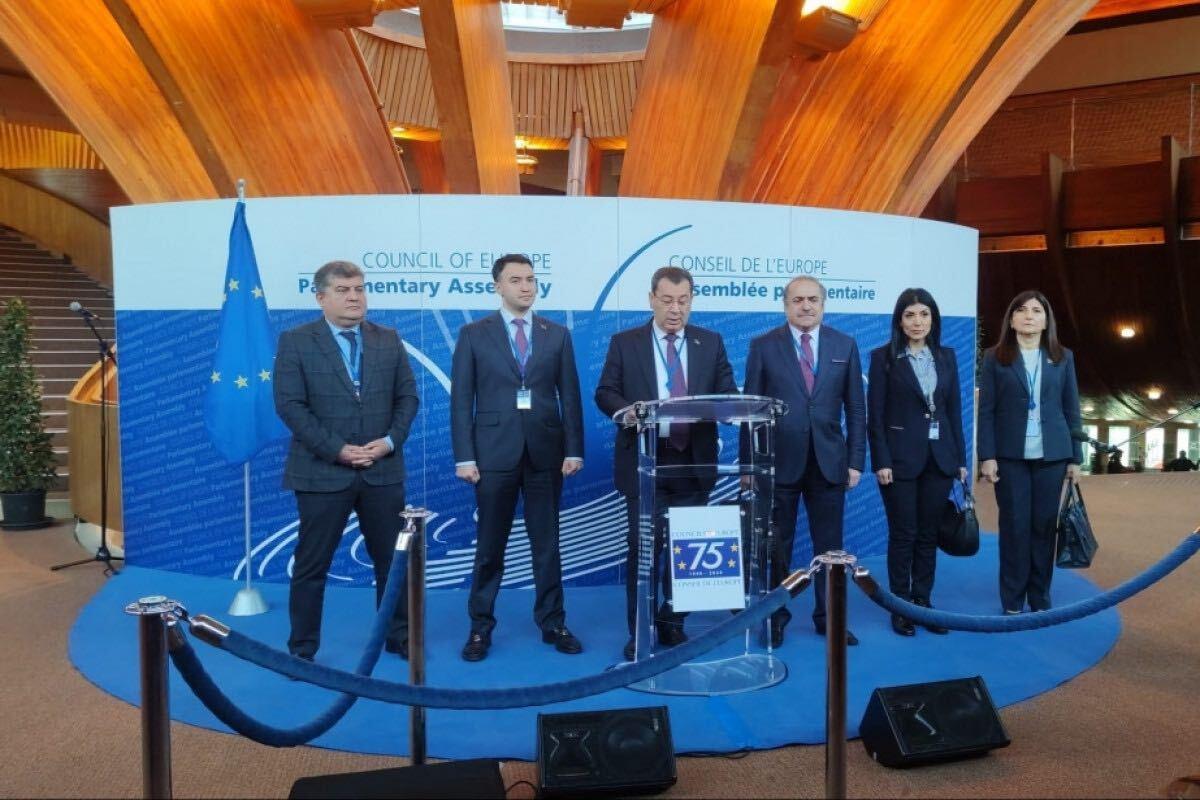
<point>344,388</point>
<point>816,371</point>
<point>663,358</point>
<point>516,421</point>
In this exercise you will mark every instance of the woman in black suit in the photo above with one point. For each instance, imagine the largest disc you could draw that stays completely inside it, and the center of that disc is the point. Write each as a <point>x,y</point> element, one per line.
<point>915,429</point>
<point>1028,408</point>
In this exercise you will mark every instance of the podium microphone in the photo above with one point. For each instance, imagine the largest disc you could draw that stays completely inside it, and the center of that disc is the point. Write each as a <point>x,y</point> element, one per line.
<point>78,308</point>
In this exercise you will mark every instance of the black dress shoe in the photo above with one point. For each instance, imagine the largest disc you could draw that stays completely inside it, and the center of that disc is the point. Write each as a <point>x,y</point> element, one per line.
<point>671,635</point>
<point>476,647</point>
<point>563,640</point>
<point>938,629</point>
<point>629,651</point>
<point>851,639</point>
<point>903,626</point>
<point>400,649</point>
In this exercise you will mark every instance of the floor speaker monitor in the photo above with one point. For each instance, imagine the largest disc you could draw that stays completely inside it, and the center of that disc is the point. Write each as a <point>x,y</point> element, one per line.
<point>923,723</point>
<point>625,751</point>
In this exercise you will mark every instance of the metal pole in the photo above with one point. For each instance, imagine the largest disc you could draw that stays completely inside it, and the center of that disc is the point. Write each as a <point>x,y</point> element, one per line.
<point>248,601</point>
<point>835,564</point>
<point>415,523</point>
<point>152,613</point>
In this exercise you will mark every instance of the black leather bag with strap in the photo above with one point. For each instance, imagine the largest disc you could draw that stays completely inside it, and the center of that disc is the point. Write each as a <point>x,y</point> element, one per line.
<point>1077,544</point>
<point>958,534</point>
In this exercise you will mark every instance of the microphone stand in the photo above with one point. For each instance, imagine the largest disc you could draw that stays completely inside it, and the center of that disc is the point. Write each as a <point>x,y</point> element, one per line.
<point>103,554</point>
<point>1112,449</point>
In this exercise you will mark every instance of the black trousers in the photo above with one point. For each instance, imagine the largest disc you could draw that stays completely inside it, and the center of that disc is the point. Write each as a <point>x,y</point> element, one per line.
<point>825,503</point>
<point>323,517</point>
<point>496,496</point>
<point>673,490</point>
<point>914,509</point>
<point>1027,495</point>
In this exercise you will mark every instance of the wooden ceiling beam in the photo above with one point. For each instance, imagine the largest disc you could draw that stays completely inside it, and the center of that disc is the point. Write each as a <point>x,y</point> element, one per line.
<point>700,61</point>
<point>23,102</point>
<point>80,56</point>
<point>465,43</point>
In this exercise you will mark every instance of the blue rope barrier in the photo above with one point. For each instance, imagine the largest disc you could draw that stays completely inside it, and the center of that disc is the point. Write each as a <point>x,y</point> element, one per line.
<point>436,697</point>
<point>224,709</point>
<point>1037,619</point>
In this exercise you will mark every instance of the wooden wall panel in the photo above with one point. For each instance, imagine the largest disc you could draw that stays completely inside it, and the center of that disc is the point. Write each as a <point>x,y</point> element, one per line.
<point>1113,197</point>
<point>79,55</point>
<point>281,102</point>
<point>25,146</point>
<point>58,226</point>
<point>867,123</point>
<point>471,82</point>
<point>401,75</point>
<point>699,61</point>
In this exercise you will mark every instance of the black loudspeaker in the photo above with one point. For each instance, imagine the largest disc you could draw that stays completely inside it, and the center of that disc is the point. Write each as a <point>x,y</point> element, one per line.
<point>625,751</point>
<point>905,726</point>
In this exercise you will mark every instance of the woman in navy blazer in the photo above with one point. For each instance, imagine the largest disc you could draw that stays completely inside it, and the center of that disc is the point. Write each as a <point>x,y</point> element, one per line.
<point>1028,408</point>
<point>914,424</point>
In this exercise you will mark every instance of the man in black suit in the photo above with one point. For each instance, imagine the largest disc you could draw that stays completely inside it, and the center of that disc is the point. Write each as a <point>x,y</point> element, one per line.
<point>344,388</point>
<point>516,421</point>
<point>663,358</point>
<point>816,371</point>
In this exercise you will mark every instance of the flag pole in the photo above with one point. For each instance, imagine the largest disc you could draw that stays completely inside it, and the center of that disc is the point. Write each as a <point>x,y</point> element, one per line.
<point>248,601</point>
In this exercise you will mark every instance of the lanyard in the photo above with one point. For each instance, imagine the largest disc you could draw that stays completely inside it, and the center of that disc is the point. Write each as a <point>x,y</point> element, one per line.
<point>355,370</point>
<point>800,354</point>
<point>512,344</point>
<point>1033,381</point>
<point>663,358</point>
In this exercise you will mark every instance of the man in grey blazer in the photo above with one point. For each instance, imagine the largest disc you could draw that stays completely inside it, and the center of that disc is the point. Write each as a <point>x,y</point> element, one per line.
<point>516,425</point>
<point>344,388</point>
<point>816,370</point>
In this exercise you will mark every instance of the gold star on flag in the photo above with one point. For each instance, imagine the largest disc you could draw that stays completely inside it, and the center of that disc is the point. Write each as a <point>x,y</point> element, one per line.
<point>732,563</point>
<point>734,548</point>
<point>263,375</point>
<point>216,377</point>
<point>683,565</point>
<point>678,549</point>
<point>241,382</point>
<point>257,292</point>
<point>233,285</point>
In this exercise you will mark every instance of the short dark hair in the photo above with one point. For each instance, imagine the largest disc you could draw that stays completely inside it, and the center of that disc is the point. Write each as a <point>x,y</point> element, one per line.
<point>339,269</point>
<point>674,275</point>
<point>506,259</point>
<point>899,340</point>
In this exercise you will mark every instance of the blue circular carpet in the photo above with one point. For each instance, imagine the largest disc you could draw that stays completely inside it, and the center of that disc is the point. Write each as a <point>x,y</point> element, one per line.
<point>1015,666</point>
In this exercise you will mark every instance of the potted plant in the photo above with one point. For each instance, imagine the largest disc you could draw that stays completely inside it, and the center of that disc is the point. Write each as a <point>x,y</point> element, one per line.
<point>26,457</point>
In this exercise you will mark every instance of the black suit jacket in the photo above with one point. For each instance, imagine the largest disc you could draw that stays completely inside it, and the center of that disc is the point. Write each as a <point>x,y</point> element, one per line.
<point>486,426</point>
<point>630,376</point>
<point>898,415</point>
<point>315,399</point>
<point>773,370</point>
<point>1004,409</point>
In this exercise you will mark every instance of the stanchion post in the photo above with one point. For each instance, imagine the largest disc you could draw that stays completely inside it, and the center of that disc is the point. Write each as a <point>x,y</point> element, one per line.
<point>415,524</point>
<point>153,620</point>
<point>835,564</point>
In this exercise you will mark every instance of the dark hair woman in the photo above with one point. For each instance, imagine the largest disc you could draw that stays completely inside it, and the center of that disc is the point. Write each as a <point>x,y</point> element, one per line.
<point>1028,407</point>
<point>915,429</point>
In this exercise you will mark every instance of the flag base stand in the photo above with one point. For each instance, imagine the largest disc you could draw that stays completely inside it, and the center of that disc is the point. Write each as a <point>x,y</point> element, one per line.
<point>247,603</point>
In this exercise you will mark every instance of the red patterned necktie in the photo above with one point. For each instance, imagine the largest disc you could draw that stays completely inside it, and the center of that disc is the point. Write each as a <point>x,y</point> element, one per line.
<point>806,361</point>
<point>522,342</point>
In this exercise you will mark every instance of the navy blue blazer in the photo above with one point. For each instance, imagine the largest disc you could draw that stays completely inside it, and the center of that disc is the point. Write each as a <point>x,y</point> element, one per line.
<point>485,425</point>
<point>316,400</point>
<point>773,370</point>
<point>630,376</point>
<point>898,417</point>
<point>1004,409</point>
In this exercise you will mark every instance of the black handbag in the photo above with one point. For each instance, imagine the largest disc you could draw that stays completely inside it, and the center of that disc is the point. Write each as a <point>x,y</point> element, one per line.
<point>1077,544</point>
<point>958,533</point>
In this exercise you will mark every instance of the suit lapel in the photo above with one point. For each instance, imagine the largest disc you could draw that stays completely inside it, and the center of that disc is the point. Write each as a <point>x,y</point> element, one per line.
<point>330,350</point>
<point>1018,369</point>
<point>494,324</point>
<point>788,354</point>
<point>697,361</point>
<point>909,374</point>
<point>646,347</point>
<point>824,359</point>
<point>539,339</point>
<point>370,353</point>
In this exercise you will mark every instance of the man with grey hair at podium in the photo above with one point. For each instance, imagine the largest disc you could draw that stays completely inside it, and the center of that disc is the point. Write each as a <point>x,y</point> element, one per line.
<point>663,358</point>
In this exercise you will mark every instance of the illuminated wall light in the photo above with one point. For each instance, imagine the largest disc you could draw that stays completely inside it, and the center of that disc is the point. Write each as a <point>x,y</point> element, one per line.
<point>841,6</point>
<point>1127,332</point>
<point>1154,393</point>
<point>1089,408</point>
<point>1172,411</point>
<point>398,130</point>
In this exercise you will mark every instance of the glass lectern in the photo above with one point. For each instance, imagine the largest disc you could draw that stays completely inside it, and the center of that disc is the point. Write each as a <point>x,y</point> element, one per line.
<point>710,559</point>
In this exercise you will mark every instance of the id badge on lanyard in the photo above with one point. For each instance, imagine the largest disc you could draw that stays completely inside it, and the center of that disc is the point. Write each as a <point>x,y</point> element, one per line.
<point>935,428</point>
<point>524,399</point>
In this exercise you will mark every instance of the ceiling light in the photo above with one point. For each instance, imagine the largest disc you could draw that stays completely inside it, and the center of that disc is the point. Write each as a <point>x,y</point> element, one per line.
<point>1172,411</point>
<point>1127,332</point>
<point>1154,393</point>
<point>398,130</point>
<point>526,164</point>
<point>1089,408</point>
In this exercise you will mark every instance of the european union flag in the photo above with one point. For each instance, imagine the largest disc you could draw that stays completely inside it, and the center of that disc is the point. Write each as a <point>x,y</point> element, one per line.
<point>239,408</point>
